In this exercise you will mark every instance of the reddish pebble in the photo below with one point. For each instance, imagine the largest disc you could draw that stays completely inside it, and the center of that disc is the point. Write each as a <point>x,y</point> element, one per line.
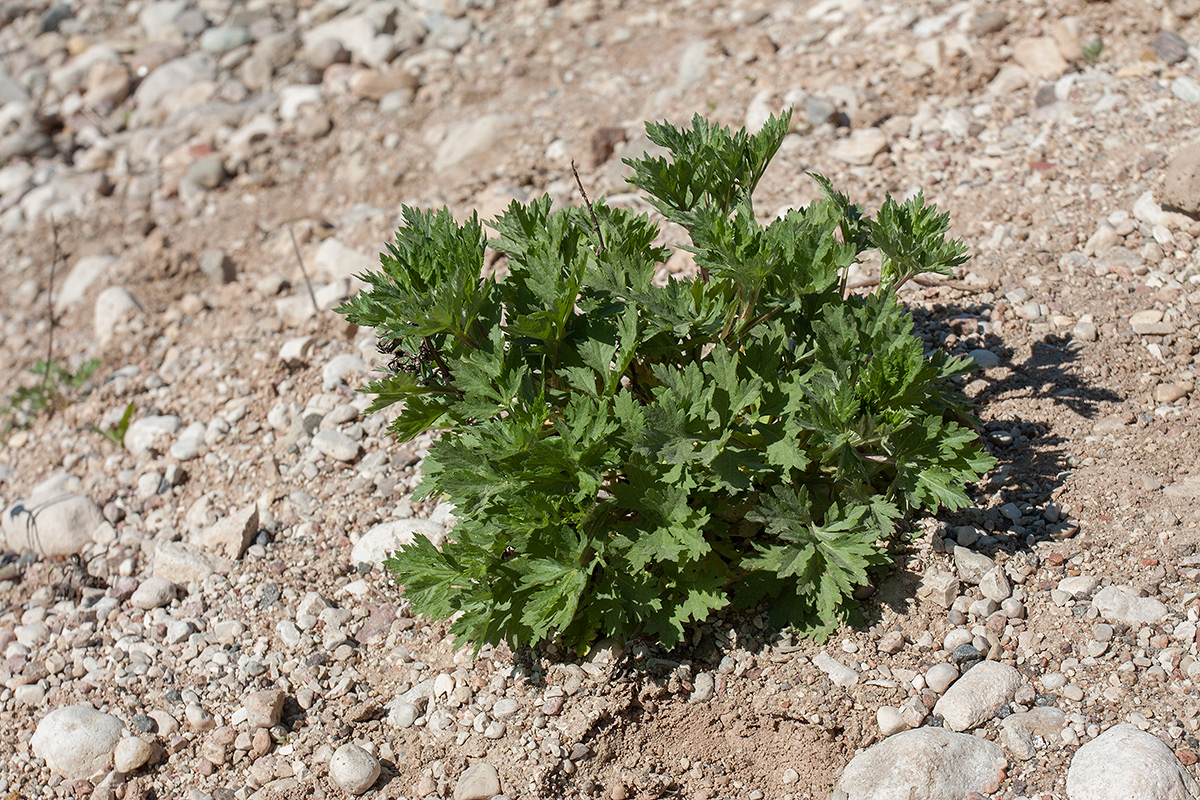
<point>1149,562</point>
<point>204,767</point>
<point>553,706</point>
<point>261,744</point>
<point>81,788</point>
<point>1186,757</point>
<point>1054,559</point>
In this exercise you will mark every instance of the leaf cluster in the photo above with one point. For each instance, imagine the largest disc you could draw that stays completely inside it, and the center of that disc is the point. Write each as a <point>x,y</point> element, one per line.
<point>627,456</point>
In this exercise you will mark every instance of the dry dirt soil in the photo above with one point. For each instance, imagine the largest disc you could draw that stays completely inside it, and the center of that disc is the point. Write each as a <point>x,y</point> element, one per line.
<point>1040,164</point>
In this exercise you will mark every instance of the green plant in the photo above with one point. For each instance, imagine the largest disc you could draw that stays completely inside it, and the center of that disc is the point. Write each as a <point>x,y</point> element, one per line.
<point>53,392</point>
<point>116,434</point>
<point>625,456</point>
<point>1092,50</point>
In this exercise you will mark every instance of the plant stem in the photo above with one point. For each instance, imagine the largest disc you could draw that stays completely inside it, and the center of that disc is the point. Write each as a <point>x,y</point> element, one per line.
<point>311,294</point>
<point>57,254</point>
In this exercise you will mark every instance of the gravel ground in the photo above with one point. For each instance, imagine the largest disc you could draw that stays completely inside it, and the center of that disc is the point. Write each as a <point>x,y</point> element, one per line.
<point>201,614</point>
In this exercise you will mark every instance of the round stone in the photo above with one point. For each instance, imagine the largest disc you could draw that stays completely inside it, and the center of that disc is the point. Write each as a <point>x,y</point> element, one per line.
<point>77,741</point>
<point>940,676</point>
<point>153,593</point>
<point>130,754</point>
<point>353,769</point>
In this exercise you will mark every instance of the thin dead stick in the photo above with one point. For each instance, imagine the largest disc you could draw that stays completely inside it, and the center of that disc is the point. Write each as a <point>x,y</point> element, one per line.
<point>50,308</point>
<point>312,295</point>
<point>588,203</point>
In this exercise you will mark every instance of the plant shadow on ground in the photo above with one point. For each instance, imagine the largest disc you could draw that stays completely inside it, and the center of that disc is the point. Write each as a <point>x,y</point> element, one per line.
<point>1030,446</point>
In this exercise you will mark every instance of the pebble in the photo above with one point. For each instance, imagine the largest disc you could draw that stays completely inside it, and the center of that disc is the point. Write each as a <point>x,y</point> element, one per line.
<point>1169,393</point>
<point>994,585</point>
<point>336,445</point>
<point>113,305</point>
<point>1078,586</point>
<point>208,171</point>
<point>402,714</point>
<point>984,359</point>
<point>183,563</point>
<point>1181,186</point>
<point>77,741</point>
<point>891,643</point>
<point>1022,733</point>
<point>1040,55</point>
<point>861,148</point>
<point>1122,604</point>
<point>154,592</point>
<point>1170,47</point>
<point>703,688</point>
<point>974,698</point>
<point>505,707</point>
<point>325,52</point>
<point>1186,89</point>
<point>339,368</point>
<point>839,673</point>
<point>386,537</point>
<point>353,769</point>
<point>971,566</point>
<point>377,84</point>
<point>1150,323</point>
<point>86,272</point>
<point>890,721</point>
<point>1124,763</point>
<point>221,40</point>
<point>941,588</point>
<point>465,140</point>
<point>939,677</point>
<point>145,433</point>
<point>131,753</point>
<point>480,781</point>
<point>966,655</point>
<point>217,266</point>
<point>232,534</point>
<point>929,763</point>
<point>263,709</point>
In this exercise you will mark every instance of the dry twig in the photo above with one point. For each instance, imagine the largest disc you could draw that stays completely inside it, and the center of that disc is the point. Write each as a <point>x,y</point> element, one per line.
<point>311,294</point>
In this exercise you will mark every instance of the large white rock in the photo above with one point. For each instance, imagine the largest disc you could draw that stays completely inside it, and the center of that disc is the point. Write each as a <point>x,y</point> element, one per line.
<point>1121,604</point>
<point>77,741</point>
<point>54,525</point>
<point>922,764</point>
<point>1124,763</point>
<point>379,542</point>
<point>974,698</point>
